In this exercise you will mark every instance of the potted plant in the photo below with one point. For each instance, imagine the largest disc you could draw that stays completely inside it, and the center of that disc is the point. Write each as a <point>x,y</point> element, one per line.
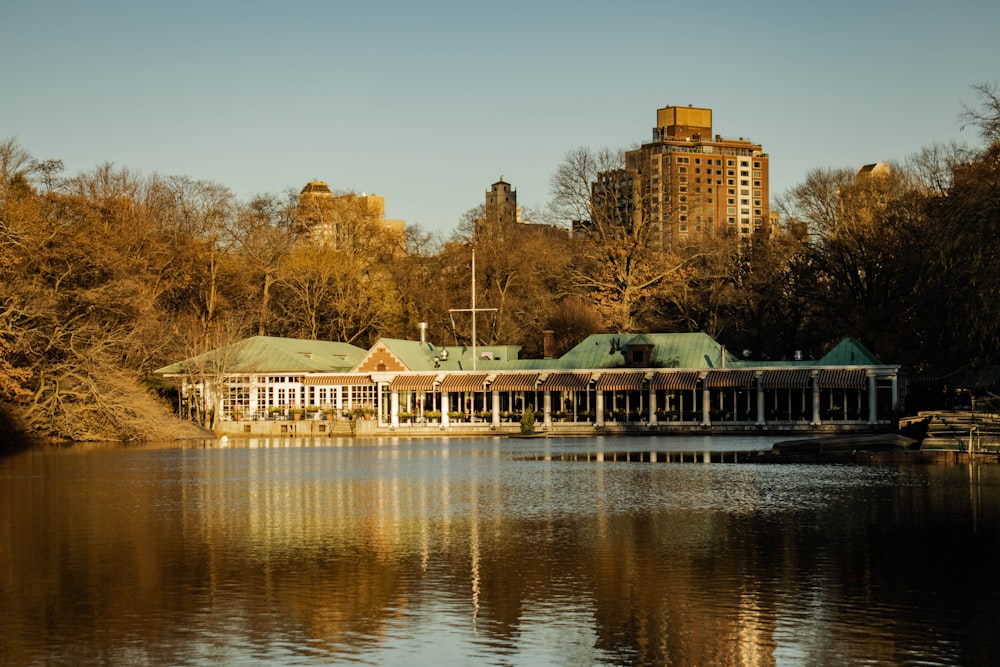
<point>433,415</point>
<point>296,413</point>
<point>237,414</point>
<point>405,417</point>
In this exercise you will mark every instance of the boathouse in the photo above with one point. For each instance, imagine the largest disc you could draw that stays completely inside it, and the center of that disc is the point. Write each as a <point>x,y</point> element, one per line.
<point>613,382</point>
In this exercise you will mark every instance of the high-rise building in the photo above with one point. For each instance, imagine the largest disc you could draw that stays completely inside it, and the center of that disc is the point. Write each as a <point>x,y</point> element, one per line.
<point>334,220</point>
<point>694,187</point>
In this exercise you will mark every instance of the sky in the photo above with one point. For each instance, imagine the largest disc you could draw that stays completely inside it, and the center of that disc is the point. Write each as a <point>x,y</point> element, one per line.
<point>429,103</point>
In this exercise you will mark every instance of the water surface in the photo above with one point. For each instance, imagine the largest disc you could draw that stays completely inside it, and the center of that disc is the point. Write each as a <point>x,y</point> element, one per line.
<point>457,551</point>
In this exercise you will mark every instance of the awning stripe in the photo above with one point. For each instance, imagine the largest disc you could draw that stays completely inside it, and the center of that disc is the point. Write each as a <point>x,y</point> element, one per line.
<point>462,382</point>
<point>675,380</point>
<point>847,378</point>
<point>412,383</point>
<point>728,379</point>
<point>515,382</point>
<point>566,381</point>
<point>799,378</point>
<point>621,381</point>
<point>337,380</point>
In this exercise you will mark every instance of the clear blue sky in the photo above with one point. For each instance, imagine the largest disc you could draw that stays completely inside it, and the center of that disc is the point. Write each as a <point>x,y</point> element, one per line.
<point>428,103</point>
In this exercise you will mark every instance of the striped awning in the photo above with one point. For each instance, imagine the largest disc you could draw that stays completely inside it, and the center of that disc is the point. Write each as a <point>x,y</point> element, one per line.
<point>412,383</point>
<point>337,380</point>
<point>729,379</point>
<point>620,381</point>
<point>799,378</point>
<point>462,382</point>
<point>566,381</point>
<point>515,382</point>
<point>843,378</point>
<point>675,380</point>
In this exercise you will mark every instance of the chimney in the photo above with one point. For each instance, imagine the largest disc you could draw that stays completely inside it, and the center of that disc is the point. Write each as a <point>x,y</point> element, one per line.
<point>548,344</point>
<point>423,332</point>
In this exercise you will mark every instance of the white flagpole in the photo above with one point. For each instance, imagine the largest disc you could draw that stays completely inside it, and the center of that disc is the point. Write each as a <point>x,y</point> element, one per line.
<point>473,309</point>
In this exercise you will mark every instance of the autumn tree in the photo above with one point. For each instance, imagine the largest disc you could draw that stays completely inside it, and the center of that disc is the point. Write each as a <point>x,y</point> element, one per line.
<point>616,263</point>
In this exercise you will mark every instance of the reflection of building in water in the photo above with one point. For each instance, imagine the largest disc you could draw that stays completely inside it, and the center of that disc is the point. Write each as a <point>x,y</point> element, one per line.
<point>337,220</point>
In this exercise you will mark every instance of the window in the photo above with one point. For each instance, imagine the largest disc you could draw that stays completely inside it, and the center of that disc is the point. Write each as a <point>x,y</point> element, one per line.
<point>756,173</point>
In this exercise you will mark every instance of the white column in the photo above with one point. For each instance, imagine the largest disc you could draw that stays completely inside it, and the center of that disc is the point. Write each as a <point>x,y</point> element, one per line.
<point>394,408</point>
<point>496,408</point>
<point>815,383</point>
<point>872,398</point>
<point>444,409</point>
<point>599,408</point>
<point>760,400</point>
<point>547,409</point>
<point>895,393</point>
<point>652,407</point>
<point>706,404</point>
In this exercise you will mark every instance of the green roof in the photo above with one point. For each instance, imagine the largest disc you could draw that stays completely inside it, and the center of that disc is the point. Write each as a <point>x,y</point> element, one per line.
<point>670,350</point>
<point>849,352</point>
<point>417,356</point>
<point>268,354</point>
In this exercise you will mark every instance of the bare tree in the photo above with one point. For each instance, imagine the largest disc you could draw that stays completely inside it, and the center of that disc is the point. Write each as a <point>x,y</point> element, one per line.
<point>616,263</point>
<point>985,117</point>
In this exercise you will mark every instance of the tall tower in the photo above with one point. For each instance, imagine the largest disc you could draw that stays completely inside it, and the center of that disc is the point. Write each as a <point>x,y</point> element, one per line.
<point>501,204</point>
<point>695,187</point>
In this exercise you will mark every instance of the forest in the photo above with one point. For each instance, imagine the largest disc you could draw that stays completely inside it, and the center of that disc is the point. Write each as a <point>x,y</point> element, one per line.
<point>109,274</point>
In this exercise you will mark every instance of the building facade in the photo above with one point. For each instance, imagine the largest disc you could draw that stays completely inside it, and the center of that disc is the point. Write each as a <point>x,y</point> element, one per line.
<point>335,220</point>
<point>695,186</point>
<point>609,382</point>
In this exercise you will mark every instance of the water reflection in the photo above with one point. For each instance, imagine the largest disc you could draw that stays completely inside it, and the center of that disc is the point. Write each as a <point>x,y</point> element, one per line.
<point>458,551</point>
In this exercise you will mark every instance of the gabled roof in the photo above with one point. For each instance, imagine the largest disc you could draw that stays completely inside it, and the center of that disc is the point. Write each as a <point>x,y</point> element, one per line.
<point>413,355</point>
<point>269,354</point>
<point>670,350</point>
<point>849,352</point>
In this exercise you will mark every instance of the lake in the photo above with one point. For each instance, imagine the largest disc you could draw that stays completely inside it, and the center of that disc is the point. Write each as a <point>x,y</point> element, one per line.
<point>461,551</point>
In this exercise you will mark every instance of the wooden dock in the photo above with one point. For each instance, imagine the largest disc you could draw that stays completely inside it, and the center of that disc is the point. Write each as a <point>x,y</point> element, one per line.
<point>859,457</point>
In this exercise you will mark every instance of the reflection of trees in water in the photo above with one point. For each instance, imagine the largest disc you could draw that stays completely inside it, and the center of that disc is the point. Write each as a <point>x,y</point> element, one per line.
<point>344,563</point>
